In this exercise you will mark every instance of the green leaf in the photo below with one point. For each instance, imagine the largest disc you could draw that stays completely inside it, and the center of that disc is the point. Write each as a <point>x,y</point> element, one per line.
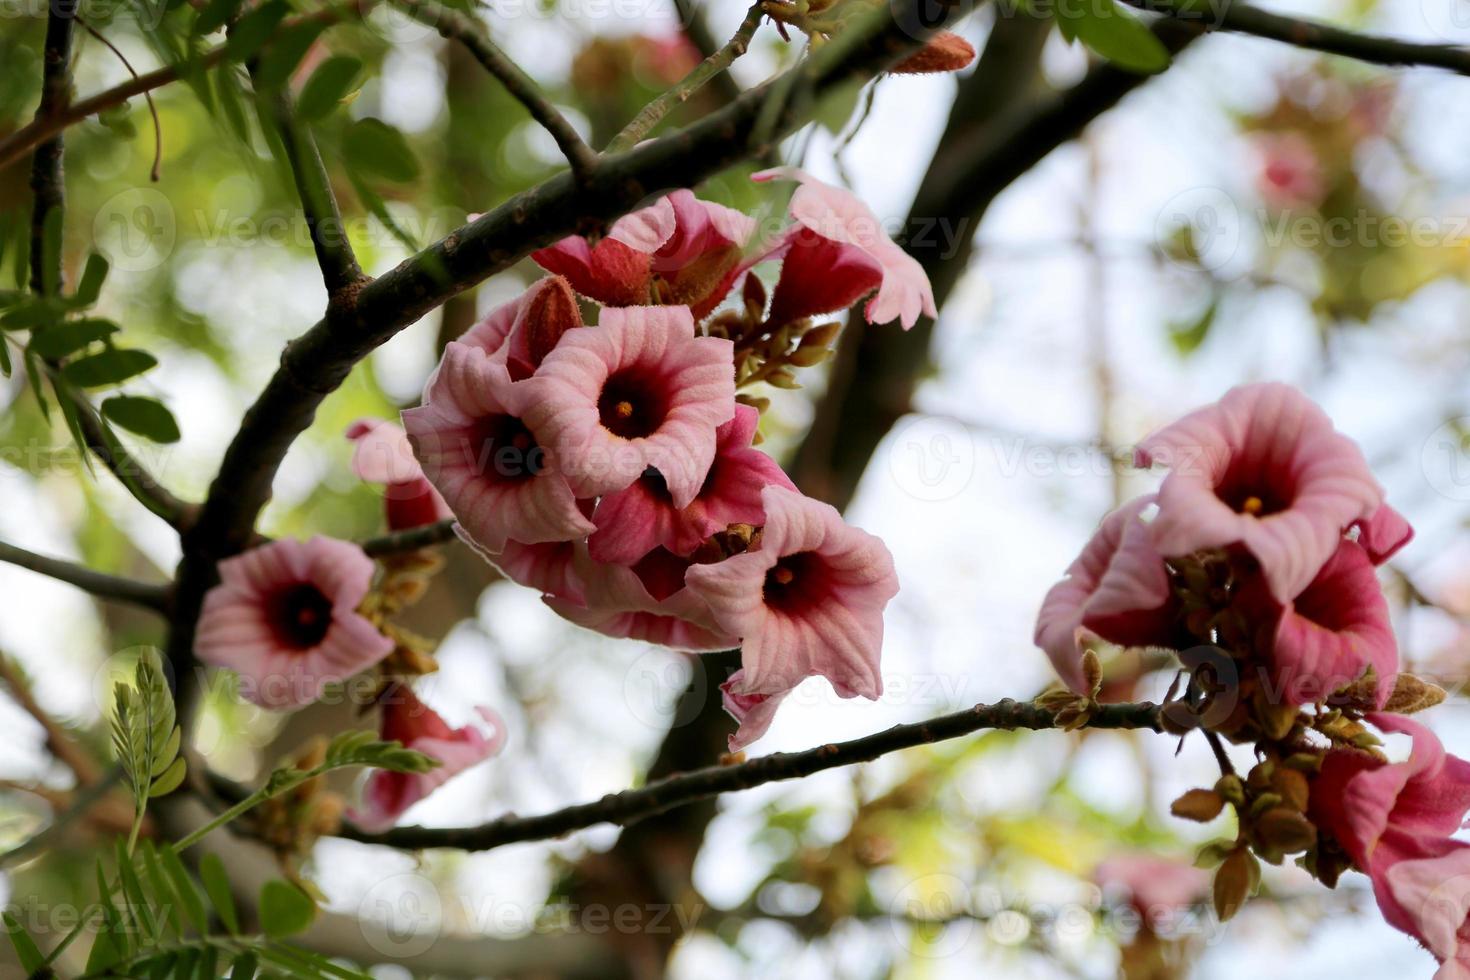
<point>217,887</point>
<point>214,16</point>
<point>63,339</point>
<point>32,313</point>
<point>374,148</point>
<point>113,940</point>
<point>119,121</point>
<point>285,909</point>
<point>161,889</point>
<point>5,366</point>
<point>33,381</point>
<point>1189,335</point>
<point>30,956</point>
<point>252,31</point>
<point>144,416</point>
<point>139,908</point>
<point>1114,33</point>
<point>191,903</point>
<point>285,53</point>
<point>169,781</point>
<point>327,87</point>
<point>244,967</point>
<point>109,367</point>
<point>94,274</point>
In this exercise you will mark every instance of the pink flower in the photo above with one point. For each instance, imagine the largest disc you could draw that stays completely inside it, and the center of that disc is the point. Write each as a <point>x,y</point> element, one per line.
<point>752,712</point>
<point>1334,630</point>
<point>1264,468</point>
<point>839,251</point>
<point>808,599</point>
<point>284,617</point>
<point>553,568</point>
<point>1395,821</point>
<point>1383,533</point>
<point>475,446</point>
<point>1117,588</point>
<point>647,601</point>
<point>520,333</point>
<point>638,390</point>
<point>1159,888</point>
<point>1291,172</point>
<point>679,251</point>
<point>384,456</point>
<point>634,521</point>
<point>408,720</point>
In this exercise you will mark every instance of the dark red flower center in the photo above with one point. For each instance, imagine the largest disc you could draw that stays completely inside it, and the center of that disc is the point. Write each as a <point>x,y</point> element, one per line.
<point>1253,490</point>
<point>661,572</point>
<point>632,404</point>
<point>300,616</point>
<point>507,449</point>
<point>796,582</point>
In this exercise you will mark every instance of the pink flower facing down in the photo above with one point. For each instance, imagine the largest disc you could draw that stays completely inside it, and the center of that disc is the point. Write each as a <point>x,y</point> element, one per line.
<point>1395,821</point>
<point>638,390</point>
<point>679,251</point>
<point>408,720</point>
<point>476,446</point>
<point>1384,533</point>
<point>839,252</point>
<point>383,455</point>
<point>752,712</point>
<point>1265,469</point>
<point>1117,588</point>
<point>1333,631</point>
<point>634,521</point>
<point>284,617</point>
<point>807,599</point>
<point>647,601</point>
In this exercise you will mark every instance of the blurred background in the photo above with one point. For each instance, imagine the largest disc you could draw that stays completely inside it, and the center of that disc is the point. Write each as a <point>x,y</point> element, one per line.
<point>1253,213</point>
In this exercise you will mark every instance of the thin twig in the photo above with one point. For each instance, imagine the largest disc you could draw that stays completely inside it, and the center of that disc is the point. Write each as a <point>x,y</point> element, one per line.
<point>103,586</point>
<point>340,270</point>
<point>707,69</point>
<point>454,26</point>
<point>43,127</point>
<point>156,172</point>
<point>58,741</point>
<point>412,539</point>
<point>633,805</point>
<point>1240,18</point>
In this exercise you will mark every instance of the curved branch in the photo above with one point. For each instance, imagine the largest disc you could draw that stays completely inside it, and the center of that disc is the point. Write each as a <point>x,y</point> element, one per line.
<point>633,805</point>
<point>103,586</point>
<point>454,26</point>
<point>1240,18</point>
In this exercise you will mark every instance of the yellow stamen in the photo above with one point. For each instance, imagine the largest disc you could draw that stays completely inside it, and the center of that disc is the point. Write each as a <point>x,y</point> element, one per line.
<point>624,410</point>
<point>1253,505</point>
<point>783,576</point>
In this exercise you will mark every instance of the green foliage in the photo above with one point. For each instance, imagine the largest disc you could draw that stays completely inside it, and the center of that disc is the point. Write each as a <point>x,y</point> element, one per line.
<point>284,910</point>
<point>375,149</point>
<point>30,957</point>
<point>145,416</point>
<point>146,735</point>
<point>1116,34</point>
<point>217,887</point>
<point>332,82</point>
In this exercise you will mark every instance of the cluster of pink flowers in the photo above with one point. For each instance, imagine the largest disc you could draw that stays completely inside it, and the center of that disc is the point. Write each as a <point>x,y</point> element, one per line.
<point>1261,474</point>
<point>611,468</point>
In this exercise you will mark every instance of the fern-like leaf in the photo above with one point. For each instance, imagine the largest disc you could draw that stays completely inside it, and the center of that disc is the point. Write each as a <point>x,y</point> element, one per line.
<point>145,733</point>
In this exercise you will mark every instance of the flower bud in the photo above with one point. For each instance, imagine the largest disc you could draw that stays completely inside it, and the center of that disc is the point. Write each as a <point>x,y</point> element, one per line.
<point>1234,882</point>
<point>1200,805</point>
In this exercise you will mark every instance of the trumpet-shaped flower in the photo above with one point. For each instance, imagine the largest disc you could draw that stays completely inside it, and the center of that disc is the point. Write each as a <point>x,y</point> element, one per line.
<point>837,253</point>
<point>408,720</point>
<point>383,455</point>
<point>1262,468</point>
<point>1117,588</point>
<point>284,617</point>
<point>472,437</point>
<point>807,599</point>
<point>646,601</point>
<point>638,390</point>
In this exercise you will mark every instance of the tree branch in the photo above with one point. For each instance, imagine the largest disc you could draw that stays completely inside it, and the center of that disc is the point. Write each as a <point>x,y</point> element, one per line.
<point>1240,18</point>
<point>58,741</point>
<point>412,539</point>
<point>707,69</point>
<point>340,270</point>
<point>633,805</point>
<point>48,184</point>
<point>316,363</point>
<point>454,26</point>
<point>99,584</point>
